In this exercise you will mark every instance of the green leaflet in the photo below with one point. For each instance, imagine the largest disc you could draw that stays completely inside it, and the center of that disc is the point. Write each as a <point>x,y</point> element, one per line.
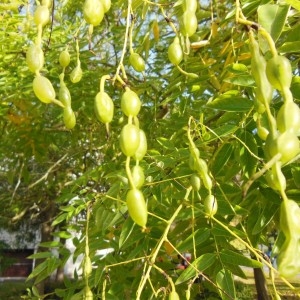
<point>225,282</point>
<point>294,3</point>
<point>199,265</point>
<point>231,257</point>
<point>273,17</point>
<point>231,101</point>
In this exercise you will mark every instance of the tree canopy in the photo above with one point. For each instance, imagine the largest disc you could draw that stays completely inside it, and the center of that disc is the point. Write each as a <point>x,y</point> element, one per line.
<point>166,131</point>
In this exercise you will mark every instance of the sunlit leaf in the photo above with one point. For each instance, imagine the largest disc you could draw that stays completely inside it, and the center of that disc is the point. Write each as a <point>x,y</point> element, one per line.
<point>289,47</point>
<point>273,17</point>
<point>230,257</point>
<point>294,3</point>
<point>227,102</point>
<point>242,80</point>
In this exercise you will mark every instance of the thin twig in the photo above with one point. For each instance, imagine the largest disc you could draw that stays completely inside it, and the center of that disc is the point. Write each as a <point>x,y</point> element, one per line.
<point>44,177</point>
<point>18,183</point>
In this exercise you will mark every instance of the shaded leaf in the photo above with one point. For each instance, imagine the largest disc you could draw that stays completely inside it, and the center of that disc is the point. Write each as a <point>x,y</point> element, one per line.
<point>295,89</point>
<point>127,228</point>
<point>222,131</point>
<point>40,255</point>
<point>199,265</point>
<point>63,234</point>
<point>265,217</point>
<point>35,291</point>
<point>200,236</point>
<point>220,158</point>
<point>166,143</point>
<point>296,176</point>
<point>247,153</point>
<point>38,269</point>
<point>237,271</point>
<point>62,217</point>
<point>51,244</point>
<point>225,282</point>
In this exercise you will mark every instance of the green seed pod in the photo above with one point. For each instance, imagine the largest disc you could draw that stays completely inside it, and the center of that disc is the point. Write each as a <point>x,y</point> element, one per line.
<point>262,132</point>
<point>142,148</point>
<point>175,52</point>
<point>275,178</point>
<point>76,74</point>
<point>259,107</point>
<point>287,144</point>
<point>279,72</point>
<point>104,107</point>
<point>137,207</point>
<point>130,103</point>
<point>195,182</point>
<point>207,182</point>
<point>288,262</point>
<point>129,139</point>
<point>189,5</point>
<point>43,89</point>
<point>258,62</point>
<point>64,58</point>
<point>87,267</point>
<point>138,176</point>
<point>93,12</point>
<point>194,155</point>
<point>64,95</point>
<point>264,94</point>
<point>201,166</point>
<point>41,15</point>
<point>47,3</point>
<point>210,205</point>
<point>137,62</point>
<point>264,91</point>
<point>288,117</point>
<point>35,58</point>
<point>106,5</point>
<point>69,117</point>
<point>174,296</point>
<point>188,294</point>
<point>290,218</point>
<point>188,23</point>
<point>87,293</point>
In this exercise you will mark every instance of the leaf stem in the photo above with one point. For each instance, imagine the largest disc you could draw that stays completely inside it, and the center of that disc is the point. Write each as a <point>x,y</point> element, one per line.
<point>192,75</point>
<point>250,248</point>
<point>102,82</point>
<point>125,40</point>
<point>269,39</point>
<point>266,167</point>
<point>128,172</point>
<point>159,245</point>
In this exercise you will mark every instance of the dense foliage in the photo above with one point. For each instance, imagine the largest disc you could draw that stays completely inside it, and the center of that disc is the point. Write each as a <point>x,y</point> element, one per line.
<point>165,131</point>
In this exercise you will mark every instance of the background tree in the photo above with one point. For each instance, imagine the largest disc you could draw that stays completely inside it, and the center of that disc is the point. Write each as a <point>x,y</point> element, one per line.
<point>208,105</point>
